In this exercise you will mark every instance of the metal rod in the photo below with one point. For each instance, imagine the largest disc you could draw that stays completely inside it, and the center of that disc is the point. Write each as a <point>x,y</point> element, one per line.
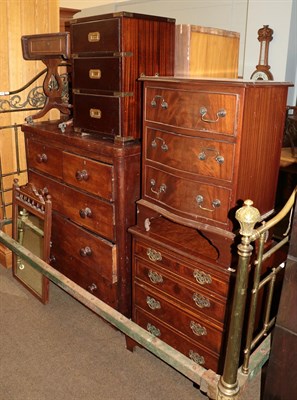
<point>180,362</point>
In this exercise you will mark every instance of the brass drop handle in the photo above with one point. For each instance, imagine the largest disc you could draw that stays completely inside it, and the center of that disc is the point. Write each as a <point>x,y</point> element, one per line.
<point>201,301</point>
<point>155,277</point>
<point>164,146</point>
<point>201,277</point>
<point>196,357</point>
<point>215,203</point>
<point>203,155</point>
<point>152,329</point>
<point>85,212</point>
<point>198,329</point>
<point>162,188</point>
<point>82,175</point>
<point>85,251</point>
<point>164,104</point>
<point>153,303</point>
<point>220,114</point>
<point>41,158</point>
<point>92,288</point>
<point>52,259</point>
<point>153,255</point>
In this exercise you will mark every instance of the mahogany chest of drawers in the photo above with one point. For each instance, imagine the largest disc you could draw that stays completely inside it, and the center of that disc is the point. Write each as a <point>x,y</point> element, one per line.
<point>208,145</point>
<point>109,53</point>
<point>94,184</point>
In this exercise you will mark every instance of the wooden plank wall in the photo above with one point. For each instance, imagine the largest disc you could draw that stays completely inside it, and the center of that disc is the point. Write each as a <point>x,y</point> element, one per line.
<point>17,18</point>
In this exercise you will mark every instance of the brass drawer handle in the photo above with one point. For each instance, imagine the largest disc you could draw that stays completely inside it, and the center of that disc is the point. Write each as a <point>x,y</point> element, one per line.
<point>153,330</point>
<point>196,357</point>
<point>153,303</point>
<point>201,277</point>
<point>155,277</point>
<point>201,301</point>
<point>162,188</point>
<point>164,104</point>
<point>85,251</point>
<point>82,175</point>
<point>220,114</point>
<point>41,158</point>
<point>203,156</point>
<point>215,203</point>
<point>95,73</point>
<point>92,288</point>
<point>154,255</point>
<point>198,329</point>
<point>93,37</point>
<point>164,146</point>
<point>95,113</point>
<point>85,212</point>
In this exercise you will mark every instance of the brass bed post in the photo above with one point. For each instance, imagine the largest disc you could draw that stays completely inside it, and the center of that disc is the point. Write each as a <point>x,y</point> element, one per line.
<point>228,386</point>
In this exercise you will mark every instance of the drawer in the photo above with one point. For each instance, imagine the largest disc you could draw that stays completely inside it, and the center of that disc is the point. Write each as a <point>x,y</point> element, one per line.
<point>190,154</point>
<point>196,273</point>
<point>96,36</point>
<point>84,276</point>
<point>193,350</point>
<point>98,255</point>
<point>89,175</point>
<point>97,73</point>
<point>187,198</point>
<point>44,158</point>
<point>97,113</point>
<point>192,110</point>
<point>200,301</point>
<point>194,327</point>
<point>87,211</point>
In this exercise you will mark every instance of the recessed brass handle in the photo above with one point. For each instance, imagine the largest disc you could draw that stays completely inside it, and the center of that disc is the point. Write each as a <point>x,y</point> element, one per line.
<point>93,37</point>
<point>95,73</point>
<point>82,175</point>
<point>41,158</point>
<point>220,114</point>
<point>215,203</point>
<point>95,113</point>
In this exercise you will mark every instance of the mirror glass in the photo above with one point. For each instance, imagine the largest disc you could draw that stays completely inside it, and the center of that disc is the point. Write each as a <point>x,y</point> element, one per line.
<point>30,234</point>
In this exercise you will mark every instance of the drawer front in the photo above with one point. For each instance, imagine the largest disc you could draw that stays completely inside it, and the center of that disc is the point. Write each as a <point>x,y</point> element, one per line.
<point>96,36</point>
<point>97,254</point>
<point>194,327</point>
<point>44,158</point>
<point>91,176</point>
<point>192,110</point>
<point>97,113</point>
<point>197,274</point>
<point>85,277</point>
<point>197,299</point>
<point>97,73</point>
<point>190,154</point>
<point>87,211</point>
<point>187,198</point>
<point>193,350</point>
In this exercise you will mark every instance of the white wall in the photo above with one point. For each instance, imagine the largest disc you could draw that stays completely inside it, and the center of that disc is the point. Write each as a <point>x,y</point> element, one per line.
<point>243,16</point>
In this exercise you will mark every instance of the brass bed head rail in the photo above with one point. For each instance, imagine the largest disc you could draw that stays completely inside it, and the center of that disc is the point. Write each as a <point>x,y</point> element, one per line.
<point>248,216</point>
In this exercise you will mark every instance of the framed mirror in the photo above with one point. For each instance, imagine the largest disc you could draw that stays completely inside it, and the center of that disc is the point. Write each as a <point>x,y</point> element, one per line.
<point>32,219</point>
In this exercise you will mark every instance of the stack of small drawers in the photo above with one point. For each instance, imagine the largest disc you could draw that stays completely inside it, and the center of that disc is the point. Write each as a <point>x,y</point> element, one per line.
<point>207,146</point>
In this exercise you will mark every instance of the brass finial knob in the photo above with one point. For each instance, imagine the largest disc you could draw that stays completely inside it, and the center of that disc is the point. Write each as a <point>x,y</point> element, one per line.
<point>247,216</point>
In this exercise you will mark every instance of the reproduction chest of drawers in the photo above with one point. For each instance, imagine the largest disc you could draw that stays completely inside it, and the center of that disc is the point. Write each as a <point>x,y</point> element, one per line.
<point>109,53</point>
<point>207,146</point>
<point>94,184</point>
